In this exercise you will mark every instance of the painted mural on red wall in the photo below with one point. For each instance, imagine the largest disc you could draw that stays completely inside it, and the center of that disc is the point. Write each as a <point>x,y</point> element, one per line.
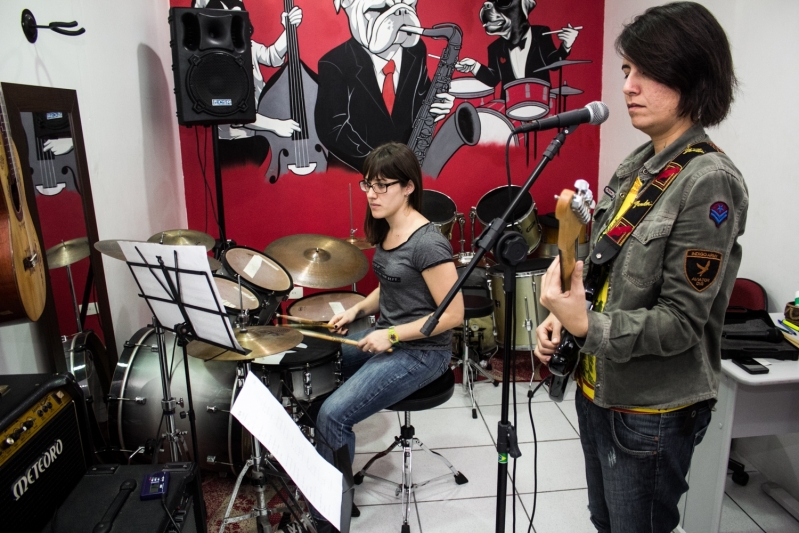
<point>364,80</point>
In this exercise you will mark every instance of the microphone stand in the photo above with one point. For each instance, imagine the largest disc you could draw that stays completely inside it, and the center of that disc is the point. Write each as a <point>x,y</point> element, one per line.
<point>510,249</point>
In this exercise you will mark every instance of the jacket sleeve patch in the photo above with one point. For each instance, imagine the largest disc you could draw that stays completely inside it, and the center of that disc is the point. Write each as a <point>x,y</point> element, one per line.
<point>701,268</point>
<point>719,213</point>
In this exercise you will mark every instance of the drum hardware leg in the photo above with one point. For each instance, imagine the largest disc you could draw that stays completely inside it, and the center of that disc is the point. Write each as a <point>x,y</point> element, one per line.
<point>472,217</point>
<point>529,327</point>
<point>168,402</point>
<point>214,409</point>
<point>461,224</point>
<point>306,381</point>
<point>139,450</point>
<point>141,400</point>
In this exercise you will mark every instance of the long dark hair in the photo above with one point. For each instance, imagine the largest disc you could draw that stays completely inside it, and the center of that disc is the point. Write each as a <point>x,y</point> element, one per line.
<point>391,161</point>
<point>682,46</point>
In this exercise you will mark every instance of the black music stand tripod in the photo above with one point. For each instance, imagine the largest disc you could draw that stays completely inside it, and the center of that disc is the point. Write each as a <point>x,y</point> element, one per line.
<point>510,249</point>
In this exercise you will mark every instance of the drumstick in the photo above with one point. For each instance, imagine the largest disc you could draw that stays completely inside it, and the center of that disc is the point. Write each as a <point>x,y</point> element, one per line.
<point>560,30</point>
<point>308,322</point>
<point>332,338</point>
<point>314,325</point>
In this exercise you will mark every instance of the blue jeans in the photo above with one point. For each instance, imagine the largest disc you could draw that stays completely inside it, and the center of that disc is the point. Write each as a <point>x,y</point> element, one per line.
<point>375,381</point>
<point>636,464</point>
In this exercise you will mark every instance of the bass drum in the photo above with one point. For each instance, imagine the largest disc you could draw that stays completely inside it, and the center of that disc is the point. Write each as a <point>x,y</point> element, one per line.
<point>135,413</point>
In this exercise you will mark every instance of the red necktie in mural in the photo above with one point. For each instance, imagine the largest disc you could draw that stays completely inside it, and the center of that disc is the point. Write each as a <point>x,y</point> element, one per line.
<point>388,85</point>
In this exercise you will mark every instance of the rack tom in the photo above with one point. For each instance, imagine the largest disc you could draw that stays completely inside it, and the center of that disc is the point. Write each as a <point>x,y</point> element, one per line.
<point>439,209</point>
<point>266,276</point>
<point>523,219</point>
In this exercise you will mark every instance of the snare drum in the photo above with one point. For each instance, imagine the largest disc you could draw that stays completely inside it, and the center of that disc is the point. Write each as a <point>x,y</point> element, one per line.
<point>135,401</point>
<point>527,99</point>
<point>310,369</point>
<point>439,209</point>
<point>265,275</point>
<point>234,302</point>
<point>495,128</point>
<point>322,306</point>
<point>528,280</point>
<point>470,89</point>
<point>494,203</point>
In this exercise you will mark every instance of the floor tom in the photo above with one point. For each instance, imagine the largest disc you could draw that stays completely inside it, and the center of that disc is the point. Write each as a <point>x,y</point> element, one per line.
<point>494,203</point>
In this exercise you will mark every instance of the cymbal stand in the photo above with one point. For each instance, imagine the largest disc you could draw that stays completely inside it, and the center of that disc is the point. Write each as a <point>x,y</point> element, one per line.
<point>244,314</point>
<point>461,224</point>
<point>257,466</point>
<point>472,217</point>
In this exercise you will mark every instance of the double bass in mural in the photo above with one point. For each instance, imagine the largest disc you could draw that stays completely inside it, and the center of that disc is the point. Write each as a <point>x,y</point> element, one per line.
<point>375,87</point>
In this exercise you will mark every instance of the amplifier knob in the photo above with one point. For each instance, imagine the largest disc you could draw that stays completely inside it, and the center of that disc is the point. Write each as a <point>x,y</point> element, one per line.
<point>28,424</point>
<point>7,442</point>
<point>40,412</point>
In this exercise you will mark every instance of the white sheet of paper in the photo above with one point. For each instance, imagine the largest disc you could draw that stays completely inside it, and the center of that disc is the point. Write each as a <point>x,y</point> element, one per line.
<point>263,416</point>
<point>275,359</point>
<point>195,289</point>
<point>337,307</point>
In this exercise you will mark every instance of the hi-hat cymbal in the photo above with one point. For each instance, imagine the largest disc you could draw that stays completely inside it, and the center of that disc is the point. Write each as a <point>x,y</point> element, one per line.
<point>183,237</point>
<point>112,249</point>
<point>563,63</point>
<point>565,90</point>
<point>319,261</point>
<point>260,340</point>
<point>68,252</point>
<point>360,242</point>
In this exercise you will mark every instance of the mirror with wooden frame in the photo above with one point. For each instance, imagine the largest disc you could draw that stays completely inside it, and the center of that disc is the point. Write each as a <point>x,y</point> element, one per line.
<point>45,126</point>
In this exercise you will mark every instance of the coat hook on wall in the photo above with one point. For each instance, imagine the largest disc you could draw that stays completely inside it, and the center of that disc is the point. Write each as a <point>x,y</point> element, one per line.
<point>31,30</point>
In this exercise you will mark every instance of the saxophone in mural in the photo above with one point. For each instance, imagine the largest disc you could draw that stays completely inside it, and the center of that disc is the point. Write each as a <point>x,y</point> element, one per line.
<point>463,127</point>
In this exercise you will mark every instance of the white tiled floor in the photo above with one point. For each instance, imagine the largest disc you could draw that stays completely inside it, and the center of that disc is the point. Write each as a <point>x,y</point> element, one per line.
<point>561,506</point>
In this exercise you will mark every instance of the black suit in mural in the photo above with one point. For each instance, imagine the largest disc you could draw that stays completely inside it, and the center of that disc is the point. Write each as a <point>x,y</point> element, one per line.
<point>351,116</point>
<point>542,53</point>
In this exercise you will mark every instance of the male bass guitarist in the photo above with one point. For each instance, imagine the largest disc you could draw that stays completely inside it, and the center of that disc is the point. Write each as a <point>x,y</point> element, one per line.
<point>665,238</point>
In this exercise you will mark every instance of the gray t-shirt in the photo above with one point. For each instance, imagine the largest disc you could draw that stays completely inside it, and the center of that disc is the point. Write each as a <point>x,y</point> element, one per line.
<point>404,296</point>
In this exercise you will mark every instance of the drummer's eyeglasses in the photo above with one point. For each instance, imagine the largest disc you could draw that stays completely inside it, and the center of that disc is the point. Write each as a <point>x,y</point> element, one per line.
<point>378,186</point>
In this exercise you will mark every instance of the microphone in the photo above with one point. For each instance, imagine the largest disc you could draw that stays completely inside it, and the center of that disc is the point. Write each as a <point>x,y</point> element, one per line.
<point>594,113</point>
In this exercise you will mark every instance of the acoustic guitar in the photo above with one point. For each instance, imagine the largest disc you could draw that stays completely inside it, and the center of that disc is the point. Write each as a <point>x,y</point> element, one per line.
<point>573,212</point>
<point>291,94</point>
<point>23,286</point>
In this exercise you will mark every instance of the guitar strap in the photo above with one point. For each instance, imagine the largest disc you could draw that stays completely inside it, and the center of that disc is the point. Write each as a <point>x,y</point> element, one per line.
<point>608,246</point>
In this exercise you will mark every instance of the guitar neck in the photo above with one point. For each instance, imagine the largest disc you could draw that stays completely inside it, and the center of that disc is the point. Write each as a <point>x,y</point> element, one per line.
<point>569,230</point>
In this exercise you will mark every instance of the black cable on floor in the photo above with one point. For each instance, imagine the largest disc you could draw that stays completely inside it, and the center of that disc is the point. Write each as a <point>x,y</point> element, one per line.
<point>530,395</point>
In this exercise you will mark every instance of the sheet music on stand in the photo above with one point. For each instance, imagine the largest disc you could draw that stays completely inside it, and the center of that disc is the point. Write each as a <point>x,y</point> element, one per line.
<point>194,290</point>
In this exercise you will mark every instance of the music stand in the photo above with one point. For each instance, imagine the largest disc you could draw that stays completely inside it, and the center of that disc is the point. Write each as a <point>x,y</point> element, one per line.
<point>188,299</point>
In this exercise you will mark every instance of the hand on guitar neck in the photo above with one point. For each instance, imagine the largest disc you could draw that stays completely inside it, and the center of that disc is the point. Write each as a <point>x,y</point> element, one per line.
<point>562,290</point>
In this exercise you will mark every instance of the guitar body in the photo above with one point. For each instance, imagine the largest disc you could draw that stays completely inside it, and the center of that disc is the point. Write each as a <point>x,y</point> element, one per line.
<point>303,152</point>
<point>23,286</point>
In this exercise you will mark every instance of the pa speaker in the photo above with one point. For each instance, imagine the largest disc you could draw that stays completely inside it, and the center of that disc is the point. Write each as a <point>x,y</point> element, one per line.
<point>212,64</point>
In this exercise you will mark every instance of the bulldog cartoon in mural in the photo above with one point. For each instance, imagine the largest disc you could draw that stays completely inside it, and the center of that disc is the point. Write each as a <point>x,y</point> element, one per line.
<point>372,86</point>
<point>521,49</point>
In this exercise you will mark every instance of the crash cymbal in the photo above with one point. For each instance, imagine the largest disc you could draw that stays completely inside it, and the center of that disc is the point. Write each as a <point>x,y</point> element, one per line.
<point>260,340</point>
<point>68,252</point>
<point>319,261</point>
<point>361,243</point>
<point>112,249</point>
<point>182,237</point>
<point>563,63</point>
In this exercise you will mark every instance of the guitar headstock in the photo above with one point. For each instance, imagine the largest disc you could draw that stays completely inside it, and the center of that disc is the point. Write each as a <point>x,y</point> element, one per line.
<point>573,211</point>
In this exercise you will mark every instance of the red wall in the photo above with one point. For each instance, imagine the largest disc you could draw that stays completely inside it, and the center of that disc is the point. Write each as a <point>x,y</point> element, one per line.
<point>258,212</point>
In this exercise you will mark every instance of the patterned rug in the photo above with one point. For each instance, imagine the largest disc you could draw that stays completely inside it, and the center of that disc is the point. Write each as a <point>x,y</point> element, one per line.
<point>217,491</point>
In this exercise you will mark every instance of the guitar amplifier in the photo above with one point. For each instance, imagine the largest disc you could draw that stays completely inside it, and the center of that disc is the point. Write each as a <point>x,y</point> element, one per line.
<point>115,499</point>
<point>44,446</point>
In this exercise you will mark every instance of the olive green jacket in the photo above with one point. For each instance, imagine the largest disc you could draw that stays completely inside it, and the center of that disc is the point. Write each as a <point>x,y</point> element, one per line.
<point>657,340</point>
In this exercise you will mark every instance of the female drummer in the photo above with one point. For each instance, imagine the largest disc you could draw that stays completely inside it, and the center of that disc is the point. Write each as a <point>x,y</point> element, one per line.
<point>413,262</point>
<point>649,370</point>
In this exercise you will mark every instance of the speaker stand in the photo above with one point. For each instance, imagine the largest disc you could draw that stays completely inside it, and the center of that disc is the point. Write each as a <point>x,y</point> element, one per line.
<point>220,202</point>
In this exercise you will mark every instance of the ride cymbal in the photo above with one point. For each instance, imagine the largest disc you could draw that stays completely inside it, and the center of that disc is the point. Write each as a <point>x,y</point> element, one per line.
<point>183,237</point>
<point>319,261</point>
<point>260,340</point>
<point>68,252</point>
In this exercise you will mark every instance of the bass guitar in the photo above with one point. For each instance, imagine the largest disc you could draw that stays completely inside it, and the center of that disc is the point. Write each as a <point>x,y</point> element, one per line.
<point>291,94</point>
<point>573,212</point>
<point>23,286</point>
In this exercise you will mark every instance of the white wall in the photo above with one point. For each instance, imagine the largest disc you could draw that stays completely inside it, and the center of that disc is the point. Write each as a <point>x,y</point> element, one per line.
<point>759,136</point>
<point>121,70</point>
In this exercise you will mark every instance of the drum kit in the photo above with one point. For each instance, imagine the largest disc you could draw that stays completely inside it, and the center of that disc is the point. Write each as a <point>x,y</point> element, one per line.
<point>523,100</point>
<point>299,368</point>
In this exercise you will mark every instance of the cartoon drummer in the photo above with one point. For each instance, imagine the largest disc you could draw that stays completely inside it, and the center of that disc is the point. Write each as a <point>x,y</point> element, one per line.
<point>521,49</point>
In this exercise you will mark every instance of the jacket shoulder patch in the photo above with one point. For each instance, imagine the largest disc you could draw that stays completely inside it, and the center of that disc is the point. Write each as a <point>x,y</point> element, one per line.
<point>702,267</point>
